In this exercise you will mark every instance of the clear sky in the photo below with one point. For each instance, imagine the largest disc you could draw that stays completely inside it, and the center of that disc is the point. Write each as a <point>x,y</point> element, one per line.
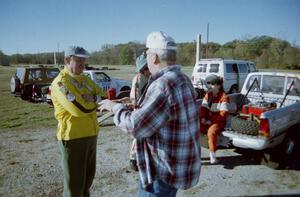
<point>33,26</point>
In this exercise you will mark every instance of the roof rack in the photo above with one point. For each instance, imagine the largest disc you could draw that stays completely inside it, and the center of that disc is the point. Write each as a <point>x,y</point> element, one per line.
<point>208,59</point>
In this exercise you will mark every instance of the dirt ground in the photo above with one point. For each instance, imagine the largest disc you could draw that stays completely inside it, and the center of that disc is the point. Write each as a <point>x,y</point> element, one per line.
<point>30,166</point>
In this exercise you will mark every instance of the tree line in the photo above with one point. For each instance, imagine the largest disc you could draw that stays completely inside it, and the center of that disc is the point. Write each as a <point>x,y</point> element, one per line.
<point>265,51</point>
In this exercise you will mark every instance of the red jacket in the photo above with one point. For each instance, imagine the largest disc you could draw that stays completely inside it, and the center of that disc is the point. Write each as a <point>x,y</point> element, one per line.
<point>215,108</point>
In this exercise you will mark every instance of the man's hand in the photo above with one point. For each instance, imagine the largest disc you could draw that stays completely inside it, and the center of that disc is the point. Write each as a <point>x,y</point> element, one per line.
<point>106,105</point>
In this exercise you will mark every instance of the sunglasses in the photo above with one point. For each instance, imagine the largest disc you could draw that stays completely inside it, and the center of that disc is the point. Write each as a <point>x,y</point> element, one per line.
<point>210,83</point>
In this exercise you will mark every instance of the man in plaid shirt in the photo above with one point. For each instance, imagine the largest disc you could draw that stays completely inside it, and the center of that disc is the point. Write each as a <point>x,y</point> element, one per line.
<point>166,124</point>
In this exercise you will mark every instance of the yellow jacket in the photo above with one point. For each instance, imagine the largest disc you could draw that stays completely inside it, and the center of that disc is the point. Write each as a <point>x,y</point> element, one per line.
<point>76,117</point>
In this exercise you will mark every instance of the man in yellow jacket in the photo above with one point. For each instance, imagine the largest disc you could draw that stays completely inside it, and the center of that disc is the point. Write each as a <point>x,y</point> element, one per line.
<point>75,99</point>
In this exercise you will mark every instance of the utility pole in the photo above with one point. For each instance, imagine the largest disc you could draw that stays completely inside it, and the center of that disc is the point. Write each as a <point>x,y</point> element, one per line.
<point>54,58</point>
<point>58,52</point>
<point>18,56</point>
<point>207,40</point>
<point>198,48</point>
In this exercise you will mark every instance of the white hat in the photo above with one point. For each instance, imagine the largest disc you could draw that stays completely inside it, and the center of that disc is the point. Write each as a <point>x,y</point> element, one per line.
<point>160,40</point>
<point>76,51</point>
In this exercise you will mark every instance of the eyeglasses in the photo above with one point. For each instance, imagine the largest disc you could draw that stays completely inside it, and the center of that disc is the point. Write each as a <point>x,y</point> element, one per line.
<point>210,83</point>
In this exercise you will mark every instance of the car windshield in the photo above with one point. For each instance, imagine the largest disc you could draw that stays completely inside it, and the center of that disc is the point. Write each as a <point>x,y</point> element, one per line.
<point>102,77</point>
<point>273,84</point>
<point>255,80</point>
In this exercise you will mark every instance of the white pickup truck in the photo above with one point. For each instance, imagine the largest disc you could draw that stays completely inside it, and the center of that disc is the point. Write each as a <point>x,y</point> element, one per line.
<point>121,86</point>
<point>267,118</point>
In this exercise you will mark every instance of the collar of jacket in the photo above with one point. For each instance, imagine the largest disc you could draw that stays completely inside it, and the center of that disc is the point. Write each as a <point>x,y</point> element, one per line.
<point>68,72</point>
<point>175,68</point>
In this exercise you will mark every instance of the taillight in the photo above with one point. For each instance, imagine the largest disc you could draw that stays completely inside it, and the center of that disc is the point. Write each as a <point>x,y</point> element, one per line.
<point>34,90</point>
<point>49,90</point>
<point>264,128</point>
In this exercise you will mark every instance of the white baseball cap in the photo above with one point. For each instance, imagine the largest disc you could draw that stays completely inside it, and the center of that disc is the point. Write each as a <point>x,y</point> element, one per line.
<point>160,40</point>
<point>76,51</point>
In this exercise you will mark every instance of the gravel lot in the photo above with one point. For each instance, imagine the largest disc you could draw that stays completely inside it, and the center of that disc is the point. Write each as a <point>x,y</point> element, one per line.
<point>30,166</point>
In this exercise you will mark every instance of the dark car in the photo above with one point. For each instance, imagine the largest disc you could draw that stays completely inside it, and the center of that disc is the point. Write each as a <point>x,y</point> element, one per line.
<point>31,83</point>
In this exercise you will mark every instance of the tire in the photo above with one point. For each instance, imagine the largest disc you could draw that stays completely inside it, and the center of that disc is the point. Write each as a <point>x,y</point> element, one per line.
<point>273,159</point>
<point>233,89</point>
<point>243,126</point>
<point>286,154</point>
<point>14,84</point>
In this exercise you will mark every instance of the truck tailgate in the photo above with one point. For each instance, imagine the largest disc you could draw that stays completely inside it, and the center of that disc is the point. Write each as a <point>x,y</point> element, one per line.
<point>246,141</point>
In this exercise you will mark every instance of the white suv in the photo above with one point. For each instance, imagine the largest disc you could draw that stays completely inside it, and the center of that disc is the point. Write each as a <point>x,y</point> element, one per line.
<point>233,73</point>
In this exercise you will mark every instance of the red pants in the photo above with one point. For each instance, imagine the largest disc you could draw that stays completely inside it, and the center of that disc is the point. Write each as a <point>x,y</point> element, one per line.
<point>212,131</point>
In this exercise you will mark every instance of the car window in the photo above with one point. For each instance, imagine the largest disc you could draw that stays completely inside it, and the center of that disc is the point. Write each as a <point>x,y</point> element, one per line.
<point>230,68</point>
<point>295,88</point>
<point>243,68</point>
<point>214,68</point>
<point>202,68</point>
<point>102,77</point>
<point>256,85</point>
<point>252,67</point>
<point>20,73</point>
<point>273,84</point>
<point>51,74</point>
<point>35,75</point>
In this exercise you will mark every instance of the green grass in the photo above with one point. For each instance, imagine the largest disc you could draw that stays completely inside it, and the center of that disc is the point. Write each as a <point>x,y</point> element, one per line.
<point>128,71</point>
<point>16,114</point>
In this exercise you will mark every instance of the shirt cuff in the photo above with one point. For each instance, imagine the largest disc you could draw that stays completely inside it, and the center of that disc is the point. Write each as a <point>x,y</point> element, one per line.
<point>117,107</point>
<point>97,99</point>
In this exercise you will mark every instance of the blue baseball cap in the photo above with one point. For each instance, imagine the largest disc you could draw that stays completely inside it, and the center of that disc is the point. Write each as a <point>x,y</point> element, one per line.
<point>140,62</point>
<point>76,51</point>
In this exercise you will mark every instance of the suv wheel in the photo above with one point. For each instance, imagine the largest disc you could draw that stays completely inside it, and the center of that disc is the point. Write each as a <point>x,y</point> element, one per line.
<point>14,84</point>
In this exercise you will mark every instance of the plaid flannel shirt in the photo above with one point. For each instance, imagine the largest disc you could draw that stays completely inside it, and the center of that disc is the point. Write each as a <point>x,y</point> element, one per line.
<point>166,127</point>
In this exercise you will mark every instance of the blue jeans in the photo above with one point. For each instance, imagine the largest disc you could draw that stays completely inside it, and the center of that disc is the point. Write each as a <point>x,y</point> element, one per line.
<point>157,189</point>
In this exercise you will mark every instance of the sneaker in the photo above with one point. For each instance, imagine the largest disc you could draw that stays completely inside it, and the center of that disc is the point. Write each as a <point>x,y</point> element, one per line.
<point>133,165</point>
<point>213,158</point>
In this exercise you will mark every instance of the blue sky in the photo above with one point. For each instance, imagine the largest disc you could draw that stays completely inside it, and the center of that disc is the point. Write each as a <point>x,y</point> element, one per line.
<point>33,26</point>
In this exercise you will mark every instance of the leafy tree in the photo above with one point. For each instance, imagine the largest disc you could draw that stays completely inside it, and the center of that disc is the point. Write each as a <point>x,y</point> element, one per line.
<point>290,58</point>
<point>4,59</point>
<point>126,55</point>
<point>186,53</point>
<point>266,51</point>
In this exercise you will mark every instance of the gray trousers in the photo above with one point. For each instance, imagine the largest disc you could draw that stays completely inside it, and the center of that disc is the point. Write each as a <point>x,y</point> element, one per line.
<point>79,165</point>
